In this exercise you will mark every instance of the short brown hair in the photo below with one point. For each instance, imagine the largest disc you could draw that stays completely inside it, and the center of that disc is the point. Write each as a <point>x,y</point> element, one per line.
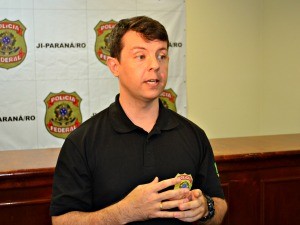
<point>150,29</point>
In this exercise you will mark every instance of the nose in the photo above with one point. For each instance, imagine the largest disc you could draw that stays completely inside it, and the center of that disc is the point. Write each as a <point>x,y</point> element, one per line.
<point>153,63</point>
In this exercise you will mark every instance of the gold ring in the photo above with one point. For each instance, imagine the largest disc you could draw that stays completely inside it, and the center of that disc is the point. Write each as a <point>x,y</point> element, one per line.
<point>161,206</point>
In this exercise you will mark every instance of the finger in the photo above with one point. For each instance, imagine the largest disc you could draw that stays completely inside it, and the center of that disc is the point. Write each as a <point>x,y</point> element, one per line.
<point>168,214</point>
<point>155,180</point>
<point>166,205</point>
<point>166,183</point>
<point>188,216</point>
<point>190,219</point>
<point>189,205</point>
<point>174,194</point>
<point>165,214</point>
<point>197,193</point>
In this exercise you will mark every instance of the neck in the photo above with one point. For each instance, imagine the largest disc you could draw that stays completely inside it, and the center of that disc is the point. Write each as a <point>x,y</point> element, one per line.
<point>142,114</point>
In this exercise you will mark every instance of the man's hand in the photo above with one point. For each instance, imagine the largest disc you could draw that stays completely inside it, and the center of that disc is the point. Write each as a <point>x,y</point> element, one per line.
<point>196,208</point>
<point>151,201</point>
<point>193,210</point>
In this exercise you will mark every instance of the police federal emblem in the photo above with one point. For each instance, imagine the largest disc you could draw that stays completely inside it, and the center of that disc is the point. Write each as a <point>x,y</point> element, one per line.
<point>103,30</point>
<point>168,98</point>
<point>13,48</point>
<point>186,181</point>
<point>63,113</point>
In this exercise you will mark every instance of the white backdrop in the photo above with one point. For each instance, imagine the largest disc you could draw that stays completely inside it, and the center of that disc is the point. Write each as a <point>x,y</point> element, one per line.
<point>60,70</point>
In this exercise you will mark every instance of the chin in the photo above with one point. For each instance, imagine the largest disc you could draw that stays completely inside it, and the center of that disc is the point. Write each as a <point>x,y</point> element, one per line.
<point>151,97</point>
<point>153,94</point>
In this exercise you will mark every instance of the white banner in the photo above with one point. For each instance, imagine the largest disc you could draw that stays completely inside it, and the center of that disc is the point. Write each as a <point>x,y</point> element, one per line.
<point>52,71</point>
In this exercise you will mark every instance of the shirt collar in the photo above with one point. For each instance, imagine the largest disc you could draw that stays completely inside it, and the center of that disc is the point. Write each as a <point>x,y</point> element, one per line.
<point>122,124</point>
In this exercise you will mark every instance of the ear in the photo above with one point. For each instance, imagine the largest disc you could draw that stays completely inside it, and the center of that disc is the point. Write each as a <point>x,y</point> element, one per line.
<point>113,65</point>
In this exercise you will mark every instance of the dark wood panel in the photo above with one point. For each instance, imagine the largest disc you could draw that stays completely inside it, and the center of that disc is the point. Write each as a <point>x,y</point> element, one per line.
<point>25,197</point>
<point>257,190</point>
<point>280,198</point>
<point>242,198</point>
<point>29,213</point>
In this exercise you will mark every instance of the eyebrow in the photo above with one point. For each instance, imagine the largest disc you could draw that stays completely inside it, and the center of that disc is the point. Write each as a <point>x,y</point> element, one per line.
<point>142,48</point>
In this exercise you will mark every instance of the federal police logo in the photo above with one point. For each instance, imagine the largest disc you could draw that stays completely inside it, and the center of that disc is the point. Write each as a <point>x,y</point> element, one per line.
<point>186,181</point>
<point>12,43</point>
<point>168,98</point>
<point>63,113</point>
<point>103,30</point>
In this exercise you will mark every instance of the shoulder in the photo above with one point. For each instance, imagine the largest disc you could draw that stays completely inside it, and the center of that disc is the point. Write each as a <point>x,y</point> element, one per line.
<point>91,126</point>
<point>186,123</point>
<point>188,129</point>
<point>83,140</point>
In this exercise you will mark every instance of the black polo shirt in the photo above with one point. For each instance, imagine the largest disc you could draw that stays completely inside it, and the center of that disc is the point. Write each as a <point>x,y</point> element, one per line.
<point>108,156</point>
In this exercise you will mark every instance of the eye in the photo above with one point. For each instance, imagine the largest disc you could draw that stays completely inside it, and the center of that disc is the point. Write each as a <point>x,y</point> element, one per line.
<point>140,57</point>
<point>161,57</point>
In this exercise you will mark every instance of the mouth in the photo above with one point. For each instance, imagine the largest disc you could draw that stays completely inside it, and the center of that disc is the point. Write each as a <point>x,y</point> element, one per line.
<point>152,81</point>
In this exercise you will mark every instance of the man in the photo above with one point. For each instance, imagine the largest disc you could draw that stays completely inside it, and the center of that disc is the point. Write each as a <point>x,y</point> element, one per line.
<point>119,166</point>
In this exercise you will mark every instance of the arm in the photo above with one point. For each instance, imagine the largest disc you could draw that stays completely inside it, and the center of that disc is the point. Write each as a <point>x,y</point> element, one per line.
<point>108,215</point>
<point>220,211</point>
<point>143,203</point>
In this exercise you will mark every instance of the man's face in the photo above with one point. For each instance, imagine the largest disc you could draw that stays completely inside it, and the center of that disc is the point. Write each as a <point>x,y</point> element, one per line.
<point>143,67</point>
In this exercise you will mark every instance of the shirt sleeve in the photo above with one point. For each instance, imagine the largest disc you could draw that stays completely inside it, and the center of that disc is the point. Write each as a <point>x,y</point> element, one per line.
<point>208,173</point>
<point>72,186</point>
